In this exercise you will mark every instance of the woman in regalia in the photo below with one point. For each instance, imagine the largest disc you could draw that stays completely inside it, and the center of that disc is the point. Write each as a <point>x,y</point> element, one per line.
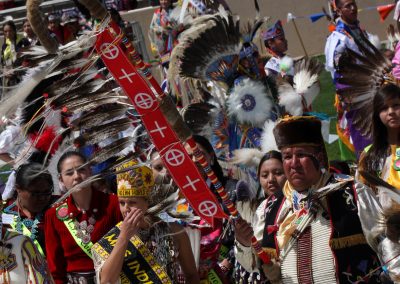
<point>272,178</point>
<point>25,213</point>
<point>382,157</point>
<point>73,225</point>
<point>143,240</point>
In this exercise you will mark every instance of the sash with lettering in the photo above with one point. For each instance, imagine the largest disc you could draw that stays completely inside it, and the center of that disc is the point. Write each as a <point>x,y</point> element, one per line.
<point>139,265</point>
<point>175,158</point>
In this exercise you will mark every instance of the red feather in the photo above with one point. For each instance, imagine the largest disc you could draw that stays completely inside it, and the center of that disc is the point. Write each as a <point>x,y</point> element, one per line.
<point>45,139</point>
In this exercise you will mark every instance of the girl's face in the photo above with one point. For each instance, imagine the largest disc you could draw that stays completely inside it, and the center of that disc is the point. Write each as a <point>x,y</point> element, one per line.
<point>390,113</point>
<point>160,172</point>
<point>272,177</point>
<point>72,173</point>
<point>126,204</point>
<point>9,32</point>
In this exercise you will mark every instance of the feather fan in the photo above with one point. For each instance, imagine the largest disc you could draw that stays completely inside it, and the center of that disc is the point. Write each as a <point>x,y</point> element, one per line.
<point>362,74</point>
<point>208,50</point>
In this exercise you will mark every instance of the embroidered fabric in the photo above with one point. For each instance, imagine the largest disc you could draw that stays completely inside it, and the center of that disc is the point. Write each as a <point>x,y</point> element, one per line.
<point>159,241</point>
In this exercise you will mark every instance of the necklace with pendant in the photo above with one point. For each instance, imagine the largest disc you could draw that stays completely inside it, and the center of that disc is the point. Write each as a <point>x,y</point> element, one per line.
<point>85,227</point>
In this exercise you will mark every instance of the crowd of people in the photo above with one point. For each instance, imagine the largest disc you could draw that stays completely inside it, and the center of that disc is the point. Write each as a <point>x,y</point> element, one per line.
<point>93,198</point>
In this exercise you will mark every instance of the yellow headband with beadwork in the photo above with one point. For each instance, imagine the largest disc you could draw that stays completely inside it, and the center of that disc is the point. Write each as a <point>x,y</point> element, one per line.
<point>136,181</point>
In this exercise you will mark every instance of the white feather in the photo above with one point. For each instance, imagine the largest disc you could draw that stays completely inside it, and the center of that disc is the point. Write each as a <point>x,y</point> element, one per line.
<point>268,142</point>
<point>247,156</point>
<point>254,111</point>
<point>289,99</point>
<point>245,210</point>
<point>307,85</point>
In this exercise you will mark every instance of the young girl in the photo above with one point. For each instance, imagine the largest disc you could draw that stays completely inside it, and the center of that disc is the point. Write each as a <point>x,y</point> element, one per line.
<point>382,157</point>
<point>141,233</point>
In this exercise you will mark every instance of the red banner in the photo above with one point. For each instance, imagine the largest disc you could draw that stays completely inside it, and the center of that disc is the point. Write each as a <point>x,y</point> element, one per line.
<point>179,164</point>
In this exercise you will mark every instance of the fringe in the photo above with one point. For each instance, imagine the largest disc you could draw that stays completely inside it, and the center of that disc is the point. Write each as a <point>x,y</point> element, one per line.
<point>349,241</point>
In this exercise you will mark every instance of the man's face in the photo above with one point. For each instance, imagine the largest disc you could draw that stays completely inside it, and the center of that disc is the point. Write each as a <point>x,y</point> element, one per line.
<point>348,11</point>
<point>300,166</point>
<point>278,44</point>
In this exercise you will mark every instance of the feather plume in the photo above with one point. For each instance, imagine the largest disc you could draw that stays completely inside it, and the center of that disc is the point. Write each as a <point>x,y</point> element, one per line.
<point>101,132</point>
<point>209,49</point>
<point>98,115</point>
<point>91,102</point>
<point>257,7</point>
<point>249,157</point>
<point>111,150</point>
<point>363,74</point>
<point>164,204</point>
<point>268,142</point>
<point>197,116</point>
<point>250,103</point>
<point>393,36</point>
<point>24,89</point>
<point>289,99</point>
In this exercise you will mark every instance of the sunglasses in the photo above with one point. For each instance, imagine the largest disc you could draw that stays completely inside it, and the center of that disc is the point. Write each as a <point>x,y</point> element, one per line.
<point>46,193</point>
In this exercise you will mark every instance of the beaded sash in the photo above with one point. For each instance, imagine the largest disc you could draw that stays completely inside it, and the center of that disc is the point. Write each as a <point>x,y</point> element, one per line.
<point>140,266</point>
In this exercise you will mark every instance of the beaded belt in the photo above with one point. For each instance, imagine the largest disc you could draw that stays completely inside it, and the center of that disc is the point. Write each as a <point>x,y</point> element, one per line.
<point>81,277</point>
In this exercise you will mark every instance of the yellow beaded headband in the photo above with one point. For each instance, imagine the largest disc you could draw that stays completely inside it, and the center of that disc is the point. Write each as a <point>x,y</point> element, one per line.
<point>136,181</point>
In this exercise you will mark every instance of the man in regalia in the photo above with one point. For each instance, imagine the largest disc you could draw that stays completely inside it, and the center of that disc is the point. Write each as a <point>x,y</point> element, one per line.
<point>319,238</point>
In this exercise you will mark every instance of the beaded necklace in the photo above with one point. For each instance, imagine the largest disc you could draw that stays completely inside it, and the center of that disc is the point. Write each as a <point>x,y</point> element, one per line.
<point>31,225</point>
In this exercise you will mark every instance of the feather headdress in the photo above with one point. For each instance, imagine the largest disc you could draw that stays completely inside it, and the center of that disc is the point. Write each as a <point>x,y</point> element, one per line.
<point>362,75</point>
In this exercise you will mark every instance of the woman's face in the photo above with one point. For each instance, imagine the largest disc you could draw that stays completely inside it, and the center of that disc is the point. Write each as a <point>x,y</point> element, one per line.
<point>126,204</point>
<point>28,29</point>
<point>9,32</point>
<point>272,177</point>
<point>164,4</point>
<point>36,197</point>
<point>72,173</point>
<point>390,113</point>
<point>208,157</point>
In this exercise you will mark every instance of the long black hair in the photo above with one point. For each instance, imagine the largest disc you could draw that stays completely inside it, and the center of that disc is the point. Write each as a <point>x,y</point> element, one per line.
<point>215,166</point>
<point>372,161</point>
<point>267,156</point>
<point>28,173</point>
<point>11,24</point>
